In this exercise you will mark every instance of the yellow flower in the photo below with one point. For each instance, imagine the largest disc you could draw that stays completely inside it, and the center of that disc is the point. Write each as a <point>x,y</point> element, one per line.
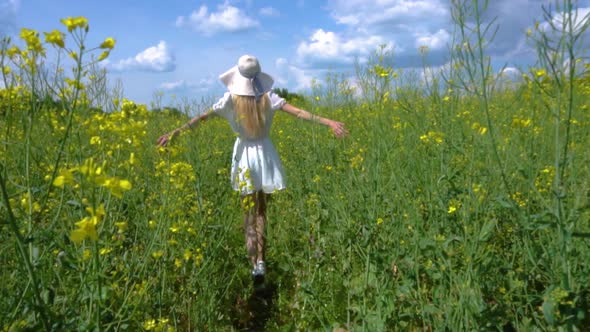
<point>86,228</point>
<point>75,22</point>
<point>125,184</point>
<point>74,83</point>
<point>121,226</point>
<point>157,254</point>
<point>117,186</point>
<point>432,137</point>
<point>13,51</point>
<point>95,140</point>
<point>454,205</point>
<point>178,262</point>
<point>149,324</point>
<point>187,254</point>
<point>103,55</point>
<point>99,212</point>
<point>379,221</point>
<point>28,35</point>
<point>65,177</point>
<point>540,73</point>
<point>55,37</point>
<point>108,43</point>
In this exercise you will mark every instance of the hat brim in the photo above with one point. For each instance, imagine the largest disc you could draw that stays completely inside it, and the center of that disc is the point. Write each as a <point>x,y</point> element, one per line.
<point>241,86</point>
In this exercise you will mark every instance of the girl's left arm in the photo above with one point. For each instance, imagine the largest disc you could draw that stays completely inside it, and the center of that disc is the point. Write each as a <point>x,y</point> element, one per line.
<point>337,127</point>
<point>164,139</point>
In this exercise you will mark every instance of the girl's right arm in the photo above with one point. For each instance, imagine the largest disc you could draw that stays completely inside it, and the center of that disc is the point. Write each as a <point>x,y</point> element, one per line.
<point>337,127</point>
<point>164,139</point>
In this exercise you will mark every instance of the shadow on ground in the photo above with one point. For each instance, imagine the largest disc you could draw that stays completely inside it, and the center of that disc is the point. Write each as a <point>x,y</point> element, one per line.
<point>253,313</point>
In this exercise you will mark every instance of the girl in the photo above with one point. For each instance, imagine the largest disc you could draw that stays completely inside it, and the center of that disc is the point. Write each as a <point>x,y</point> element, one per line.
<point>256,170</point>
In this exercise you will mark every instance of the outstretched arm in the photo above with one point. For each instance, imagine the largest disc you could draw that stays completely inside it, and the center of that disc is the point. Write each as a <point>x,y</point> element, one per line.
<point>337,127</point>
<point>164,139</point>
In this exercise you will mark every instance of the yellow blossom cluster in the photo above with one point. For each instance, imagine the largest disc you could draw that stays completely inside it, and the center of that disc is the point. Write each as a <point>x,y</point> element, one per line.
<point>31,38</point>
<point>86,228</point>
<point>116,130</point>
<point>93,174</point>
<point>73,23</point>
<point>518,122</point>
<point>481,130</point>
<point>158,325</point>
<point>177,187</point>
<point>55,37</point>
<point>545,178</point>
<point>432,137</point>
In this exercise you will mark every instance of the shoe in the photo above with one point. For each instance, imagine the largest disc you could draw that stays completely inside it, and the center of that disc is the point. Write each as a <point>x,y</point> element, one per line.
<point>259,270</point>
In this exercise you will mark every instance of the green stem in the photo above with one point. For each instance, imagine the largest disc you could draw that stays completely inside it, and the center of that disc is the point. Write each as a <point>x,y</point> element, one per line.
<point>40,304</point>
<point>70,109</point>
<point>484,69</point>
<point>98,285</point>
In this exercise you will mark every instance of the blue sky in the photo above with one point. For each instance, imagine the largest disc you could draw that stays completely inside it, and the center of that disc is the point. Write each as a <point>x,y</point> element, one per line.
<point>181,47</point>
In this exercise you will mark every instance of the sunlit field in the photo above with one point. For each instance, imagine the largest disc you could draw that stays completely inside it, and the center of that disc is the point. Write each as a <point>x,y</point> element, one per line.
<point>459,201</point>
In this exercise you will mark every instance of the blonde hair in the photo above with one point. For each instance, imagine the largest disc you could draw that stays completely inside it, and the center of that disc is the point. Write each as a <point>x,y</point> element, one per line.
<point>251,114</point>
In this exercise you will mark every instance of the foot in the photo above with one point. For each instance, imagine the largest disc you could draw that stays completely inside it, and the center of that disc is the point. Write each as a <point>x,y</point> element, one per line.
<point>259,270</point>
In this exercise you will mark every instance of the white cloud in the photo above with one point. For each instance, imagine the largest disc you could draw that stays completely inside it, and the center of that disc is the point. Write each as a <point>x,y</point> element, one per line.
<point>176,85</point>
<point>227,18</point>
<point>407,24</point>
<point>510,72</point>
<point>269,11</point>
<point>290,76</point>
<point>371,14</point>
<point>437,41</point>
<point>508,77</point>
<point>186,86</point>
<point>428,75</point>
<point>8,9</point>
<point>155,59</point>
<point>579,20</point>
<point>329,47</point>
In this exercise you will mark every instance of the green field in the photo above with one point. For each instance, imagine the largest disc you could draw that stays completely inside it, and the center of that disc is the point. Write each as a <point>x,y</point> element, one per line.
<point>459,202</point>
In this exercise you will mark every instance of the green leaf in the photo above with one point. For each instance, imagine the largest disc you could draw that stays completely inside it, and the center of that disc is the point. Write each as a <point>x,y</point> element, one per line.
<point>486,230</point>
<point>548,309</point>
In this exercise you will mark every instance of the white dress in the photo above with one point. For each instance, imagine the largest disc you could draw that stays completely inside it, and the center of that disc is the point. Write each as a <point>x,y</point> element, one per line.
<point>256,165</point>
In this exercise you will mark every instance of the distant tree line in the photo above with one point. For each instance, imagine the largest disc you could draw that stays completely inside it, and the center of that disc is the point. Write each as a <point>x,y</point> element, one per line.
<point>288,96</point>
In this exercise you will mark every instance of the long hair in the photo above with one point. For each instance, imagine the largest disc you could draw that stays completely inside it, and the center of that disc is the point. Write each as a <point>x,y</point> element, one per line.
<point>251,114</point>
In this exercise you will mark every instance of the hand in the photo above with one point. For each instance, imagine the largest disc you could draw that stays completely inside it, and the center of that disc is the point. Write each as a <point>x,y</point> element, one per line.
<point>164,139</point>
<point>338,129</point>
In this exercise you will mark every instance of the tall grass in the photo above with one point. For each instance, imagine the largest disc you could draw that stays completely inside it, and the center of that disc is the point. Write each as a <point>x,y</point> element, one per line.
<point>456,203</point>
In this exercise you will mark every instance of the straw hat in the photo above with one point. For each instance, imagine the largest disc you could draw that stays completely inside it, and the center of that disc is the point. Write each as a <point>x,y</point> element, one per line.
<point>247,79</point>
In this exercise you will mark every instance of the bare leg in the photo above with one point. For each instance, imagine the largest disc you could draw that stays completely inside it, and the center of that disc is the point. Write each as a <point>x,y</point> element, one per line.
<point>261,199</point>
<point>250,229</point>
